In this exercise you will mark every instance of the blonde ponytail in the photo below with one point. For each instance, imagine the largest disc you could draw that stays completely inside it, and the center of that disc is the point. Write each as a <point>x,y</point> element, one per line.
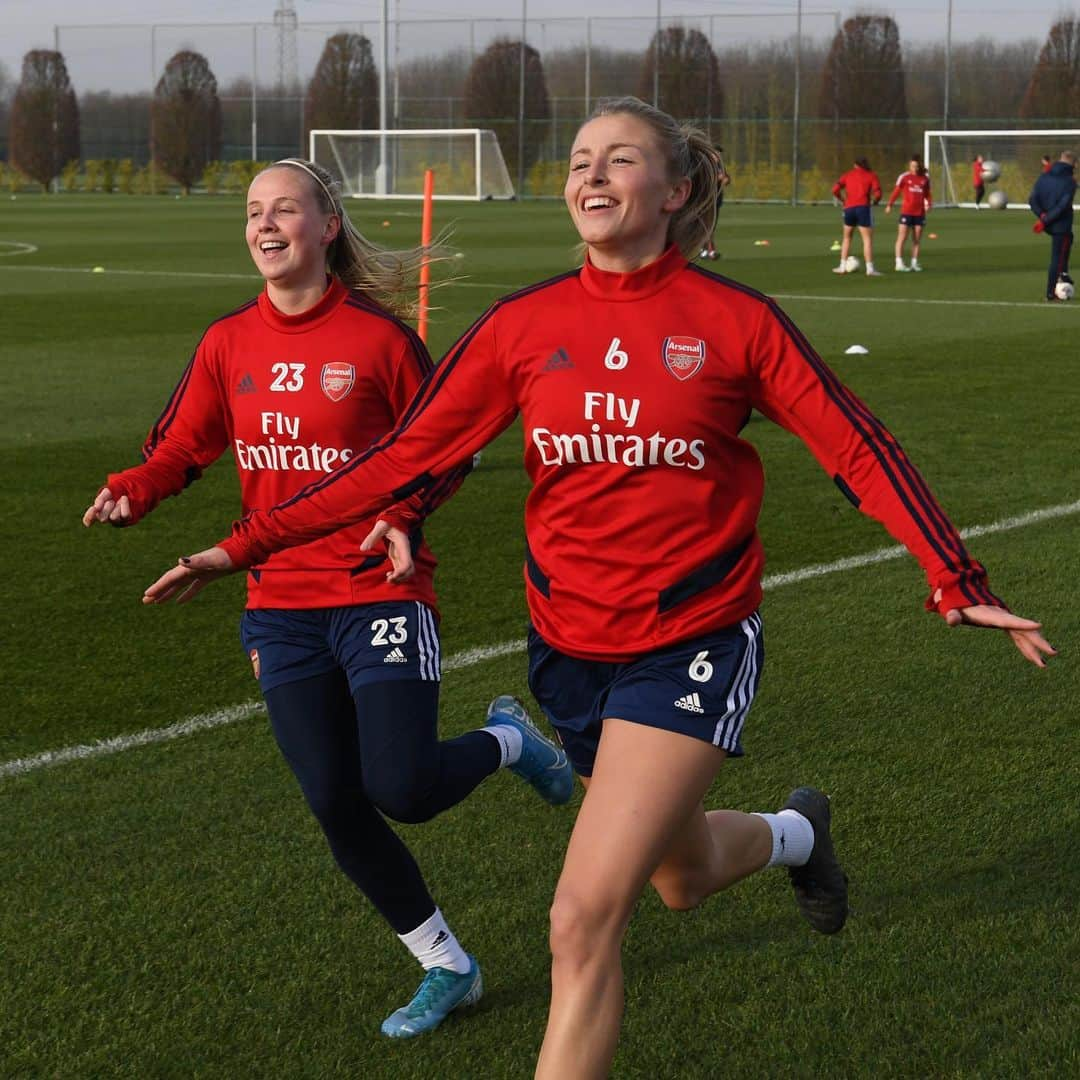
<point>387,277</point>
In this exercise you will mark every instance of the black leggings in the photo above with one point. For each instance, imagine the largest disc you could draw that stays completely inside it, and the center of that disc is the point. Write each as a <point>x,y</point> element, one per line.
<point>1060,247</point>
<point>378,753</point>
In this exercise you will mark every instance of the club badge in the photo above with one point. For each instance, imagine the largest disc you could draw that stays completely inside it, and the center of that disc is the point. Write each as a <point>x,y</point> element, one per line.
<point>337,380</point>
<point>683,356</point>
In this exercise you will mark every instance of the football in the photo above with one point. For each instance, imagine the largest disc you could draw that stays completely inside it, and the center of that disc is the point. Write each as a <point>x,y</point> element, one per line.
<point>1064,290</point>
<point>991,170</point>
<point>851,264</point>
<point>998,200</point>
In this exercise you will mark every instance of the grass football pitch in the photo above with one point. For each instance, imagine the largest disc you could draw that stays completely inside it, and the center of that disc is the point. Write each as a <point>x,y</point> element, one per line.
<point>170,909</point>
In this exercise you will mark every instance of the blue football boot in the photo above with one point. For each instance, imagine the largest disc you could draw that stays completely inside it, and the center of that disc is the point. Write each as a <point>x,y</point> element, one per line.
<point>439,994</point>
<point>543,763</point>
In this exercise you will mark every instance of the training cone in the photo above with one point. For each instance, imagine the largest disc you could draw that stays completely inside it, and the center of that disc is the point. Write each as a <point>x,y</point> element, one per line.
<point>856,350</point>
<point>761,243</point>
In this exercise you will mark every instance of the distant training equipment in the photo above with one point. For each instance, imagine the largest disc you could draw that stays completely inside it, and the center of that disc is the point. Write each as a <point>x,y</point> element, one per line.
<point>991,170</point>
<point>851,264</point>
<point>1064,290</point>
<point>998,200</point>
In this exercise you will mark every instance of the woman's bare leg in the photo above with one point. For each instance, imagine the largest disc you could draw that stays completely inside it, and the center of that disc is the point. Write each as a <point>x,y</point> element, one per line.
<point>638,821</point>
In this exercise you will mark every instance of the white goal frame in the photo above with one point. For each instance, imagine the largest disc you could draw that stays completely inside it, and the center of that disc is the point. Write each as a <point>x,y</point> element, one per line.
<point>947,191</point>
<point>384,134</point>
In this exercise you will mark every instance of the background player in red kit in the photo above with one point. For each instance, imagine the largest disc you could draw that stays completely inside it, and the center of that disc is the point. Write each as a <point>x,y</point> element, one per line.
<point>347,654</point>
<point>860,189</point>
<point>978,182</point>
<point>634,376</point>
<point>914,186</point>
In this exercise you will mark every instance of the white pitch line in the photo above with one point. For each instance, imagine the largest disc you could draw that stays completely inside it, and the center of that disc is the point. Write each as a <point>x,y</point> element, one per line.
<point>503,286</point>
<point>20,248</point>
<point>853,562</point>
<point>916,300</point>
<point>201,274</point>
<point>472,657</point>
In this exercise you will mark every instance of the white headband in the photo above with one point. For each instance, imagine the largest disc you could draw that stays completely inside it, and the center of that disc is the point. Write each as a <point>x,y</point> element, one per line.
<point>312,173</point>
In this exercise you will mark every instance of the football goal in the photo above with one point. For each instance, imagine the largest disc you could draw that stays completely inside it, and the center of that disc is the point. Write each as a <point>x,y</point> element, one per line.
<point>467,162</point>
<point>949,156</point>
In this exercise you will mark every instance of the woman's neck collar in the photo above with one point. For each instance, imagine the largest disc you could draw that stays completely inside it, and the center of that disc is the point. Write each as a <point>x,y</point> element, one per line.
<point>623,261</point>
<point>296,299</point>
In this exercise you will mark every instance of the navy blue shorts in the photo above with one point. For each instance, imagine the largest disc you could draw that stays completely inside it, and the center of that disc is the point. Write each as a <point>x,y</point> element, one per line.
<point>702,687</point>
<point>370,643</point>
<point>859,215</point>
<point>913,219</point>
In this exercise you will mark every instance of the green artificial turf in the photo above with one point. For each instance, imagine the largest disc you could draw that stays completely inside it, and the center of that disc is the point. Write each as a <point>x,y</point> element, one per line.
<point>171,910</point>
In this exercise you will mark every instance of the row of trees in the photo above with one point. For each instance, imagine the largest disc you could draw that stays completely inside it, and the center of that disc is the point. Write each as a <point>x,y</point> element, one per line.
<point>861,90</point>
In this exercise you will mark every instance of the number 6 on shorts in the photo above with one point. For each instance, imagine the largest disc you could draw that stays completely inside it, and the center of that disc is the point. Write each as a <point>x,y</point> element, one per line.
<point>700,668</point>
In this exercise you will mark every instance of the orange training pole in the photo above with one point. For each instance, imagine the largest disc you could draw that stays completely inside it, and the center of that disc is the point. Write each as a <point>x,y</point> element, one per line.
<point>425,240</point>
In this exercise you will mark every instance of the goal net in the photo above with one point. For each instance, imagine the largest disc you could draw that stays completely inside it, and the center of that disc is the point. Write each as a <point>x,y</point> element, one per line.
<point>949,156</point>
<point>467,162</point>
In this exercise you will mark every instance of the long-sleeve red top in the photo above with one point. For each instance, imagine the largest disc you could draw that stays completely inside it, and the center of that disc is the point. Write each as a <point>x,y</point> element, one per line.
<point>915,190</point>
<point>295,397</point>
<point>858,187</point>
<point>633,389</point>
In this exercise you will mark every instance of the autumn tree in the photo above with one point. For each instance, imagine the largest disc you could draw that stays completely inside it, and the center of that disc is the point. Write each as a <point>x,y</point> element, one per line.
<point>44,131</point>
<point>612,72</point>
<point>186,118</point>
<point>689,79</point>
<point>863,98</point>
<point>492,98</point>
<point>1054,90</point>
<point>344,91</point>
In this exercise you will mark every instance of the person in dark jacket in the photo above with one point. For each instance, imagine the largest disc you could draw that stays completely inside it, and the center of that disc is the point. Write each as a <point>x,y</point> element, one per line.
<point>1051,202</point>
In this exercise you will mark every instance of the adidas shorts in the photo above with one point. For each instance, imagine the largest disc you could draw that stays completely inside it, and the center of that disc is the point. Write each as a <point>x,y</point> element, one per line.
<point>859,215</point>
<point>702,687</point>
<point>913,219</point>
<point>369,642</point>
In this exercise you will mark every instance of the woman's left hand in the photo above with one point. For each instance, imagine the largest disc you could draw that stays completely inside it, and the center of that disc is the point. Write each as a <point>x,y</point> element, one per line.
<point>1024,632</point>
<point>398,550</point>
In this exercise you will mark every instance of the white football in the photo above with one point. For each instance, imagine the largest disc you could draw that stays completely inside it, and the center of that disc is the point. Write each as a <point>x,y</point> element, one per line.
<point>1064,290</point>
<point>852,263</point>
<point>998,200</point>
<point>991,170</point>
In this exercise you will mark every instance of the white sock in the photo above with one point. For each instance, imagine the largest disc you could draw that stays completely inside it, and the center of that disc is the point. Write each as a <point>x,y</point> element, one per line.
<point>869,267</point>
<point>509,739</point>
<point>899,264</point>
<point>433,944</point>
<point>792,838</point>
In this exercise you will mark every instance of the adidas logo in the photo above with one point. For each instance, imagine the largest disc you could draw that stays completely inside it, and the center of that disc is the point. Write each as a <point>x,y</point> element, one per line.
<point>559,360</point>
<point>395,656</point>
<point>246,385</point>
<point>440,937</point>
<point>691,703</point>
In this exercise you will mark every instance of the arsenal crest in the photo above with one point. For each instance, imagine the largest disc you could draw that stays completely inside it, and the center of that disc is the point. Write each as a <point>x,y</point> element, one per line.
<point>684,357</point>
<point>337,380</point>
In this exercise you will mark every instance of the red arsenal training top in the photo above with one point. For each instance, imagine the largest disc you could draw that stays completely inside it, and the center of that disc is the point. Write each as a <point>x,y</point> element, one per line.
<point>295,397</point>
<point>916,192</point>
<point>860,187</point>
<point>633,388</point>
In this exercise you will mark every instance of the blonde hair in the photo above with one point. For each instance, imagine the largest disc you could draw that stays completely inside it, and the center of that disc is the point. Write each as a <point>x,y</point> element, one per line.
<point>387,277</point>
<point>689,153</point>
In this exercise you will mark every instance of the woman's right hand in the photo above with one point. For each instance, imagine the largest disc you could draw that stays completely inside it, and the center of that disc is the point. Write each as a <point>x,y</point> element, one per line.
<point>189,577</point>
<point>107,509</point>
